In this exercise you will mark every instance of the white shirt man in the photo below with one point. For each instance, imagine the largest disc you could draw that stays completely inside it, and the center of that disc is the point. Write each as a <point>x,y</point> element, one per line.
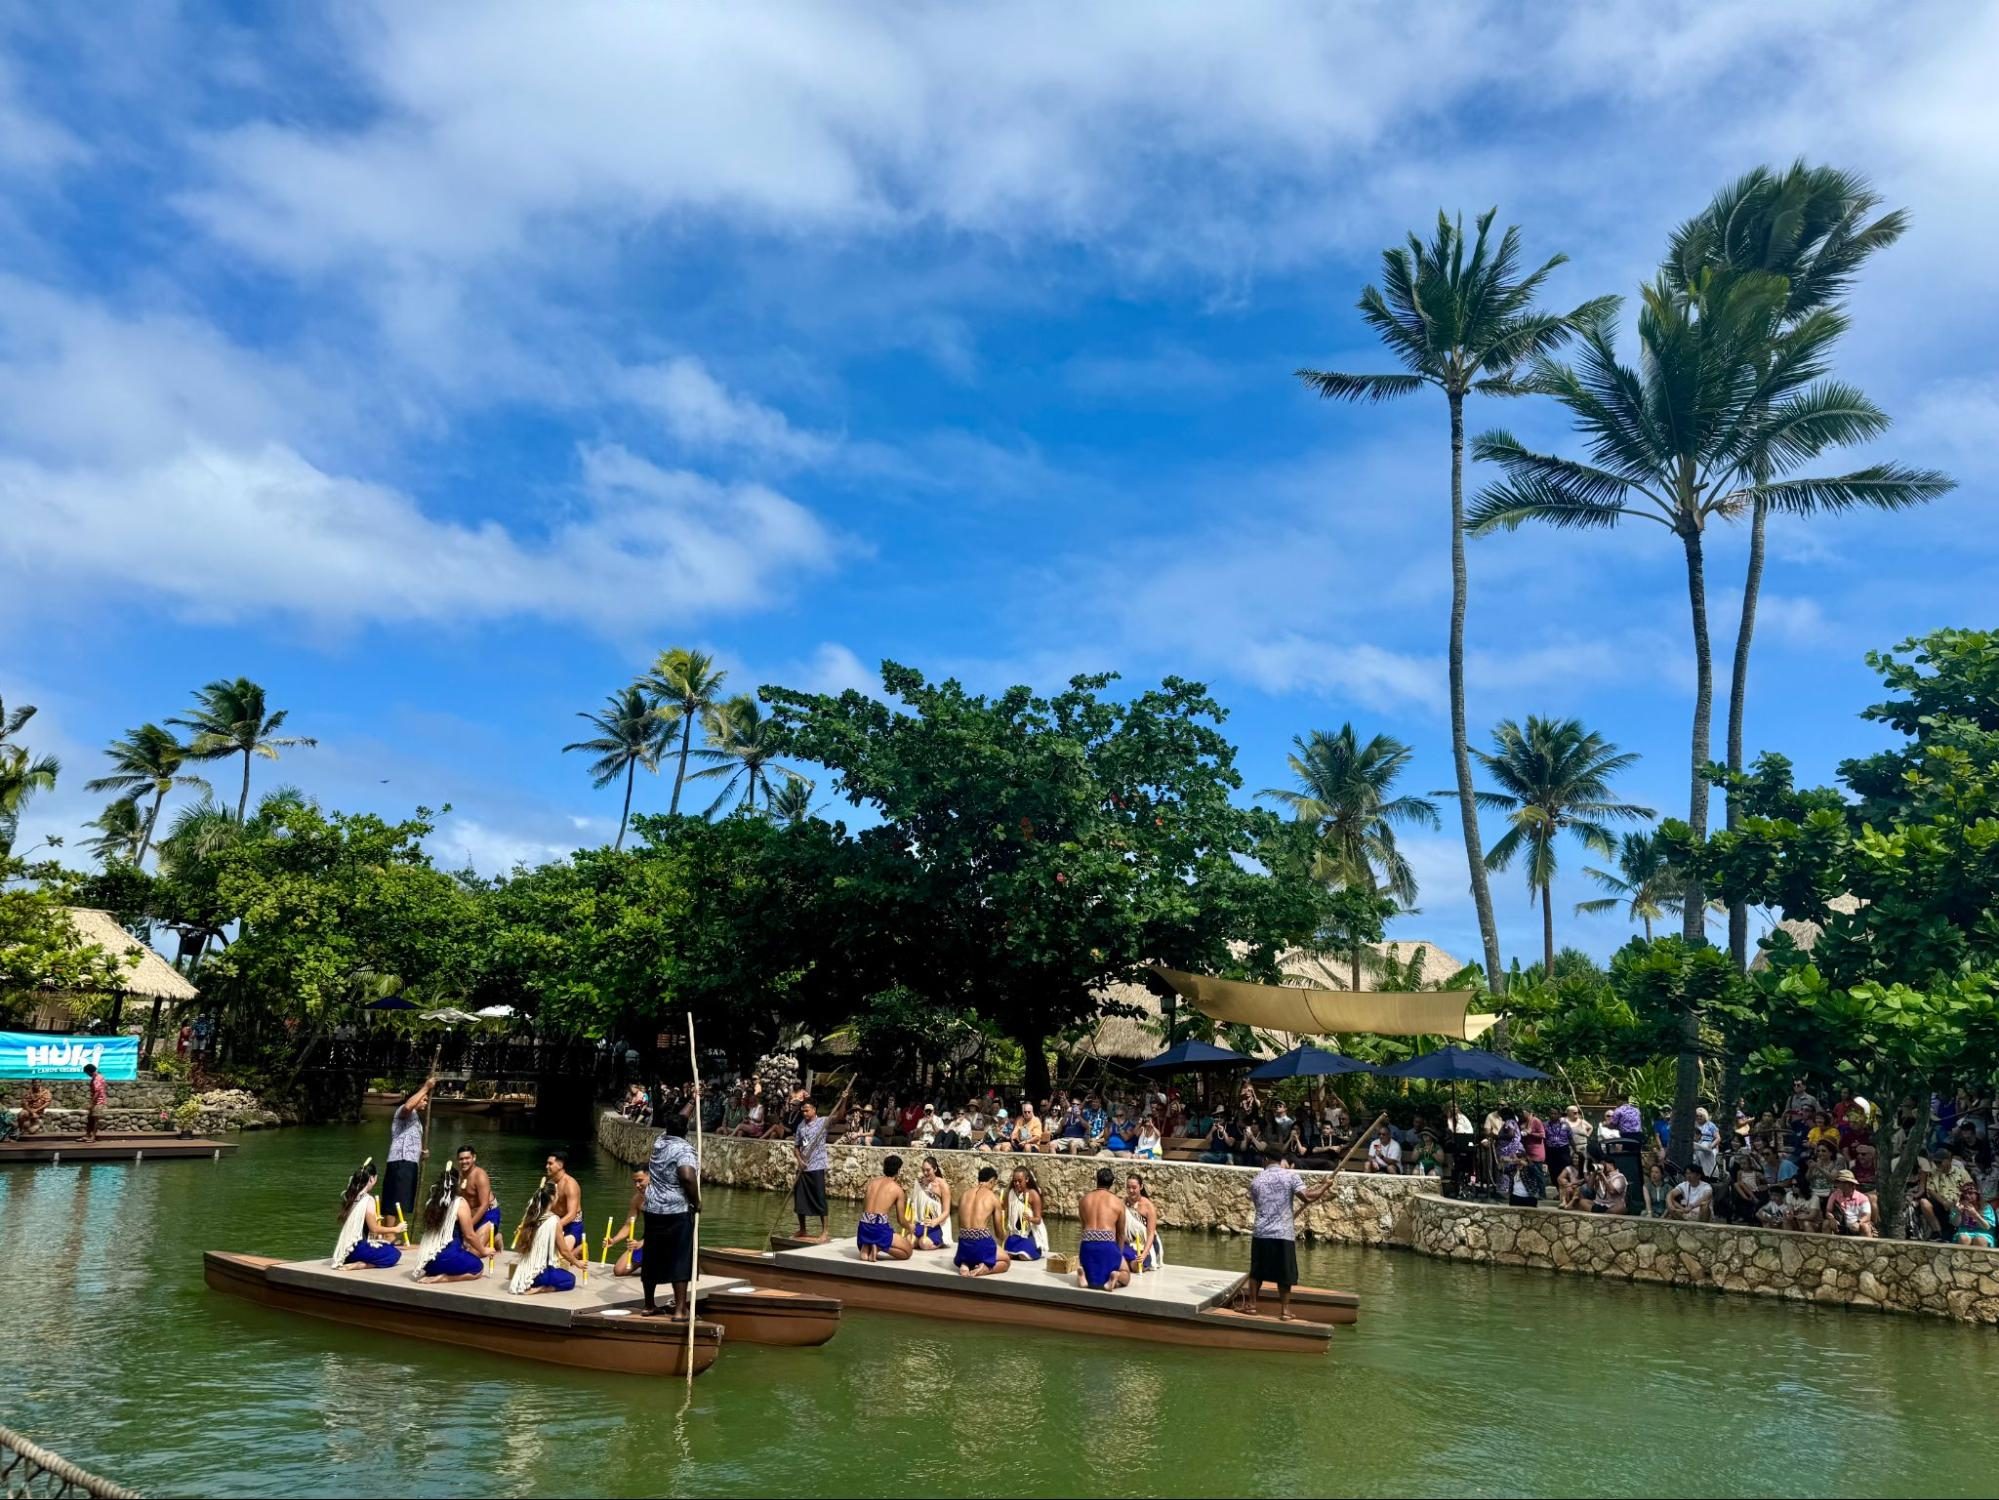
<point>1384,1153</point>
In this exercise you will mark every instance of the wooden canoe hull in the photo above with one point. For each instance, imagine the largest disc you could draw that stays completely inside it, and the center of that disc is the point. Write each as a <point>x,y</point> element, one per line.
<point>1215,1328</point>
<point>71,1148</point>
<point>1320,1305</point>
<point>623,1346</point>
<point>772,1317</point>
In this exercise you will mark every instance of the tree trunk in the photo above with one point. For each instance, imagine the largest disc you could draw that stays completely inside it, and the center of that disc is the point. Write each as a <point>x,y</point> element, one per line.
<point>631,770</point>
<point>1896,1163</point>
<point>146,838</point>
<point>1481,892</point>
<point>686,749</point>
<point>1354,981</point>
<point>243,802</point>
<point>152,1031</point>
<point>1738,694</point>
<point>1034,1081</point>
<point>1548,934</point>
<point>1687,1081</point>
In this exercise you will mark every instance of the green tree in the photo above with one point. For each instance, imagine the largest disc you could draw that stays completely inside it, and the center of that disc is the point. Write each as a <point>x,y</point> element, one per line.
<point>22,773</point>
<point>1345,794</point>
<point>230,718</point>
<point>1458,326</point>
<point>1644,884</point>
<point>147,759</point>
<point>791,800</point>
<point>684,686</point>
<point>1554,777</point>
<point>119,829</point>
<point>631,735</point>
<point>1814,227</point>
<point>742,746</point>
<point>39,946</point>
<point>1033,850</point>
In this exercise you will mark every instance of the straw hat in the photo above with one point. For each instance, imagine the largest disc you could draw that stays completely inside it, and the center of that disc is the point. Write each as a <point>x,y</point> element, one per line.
<point>1846,1177</point>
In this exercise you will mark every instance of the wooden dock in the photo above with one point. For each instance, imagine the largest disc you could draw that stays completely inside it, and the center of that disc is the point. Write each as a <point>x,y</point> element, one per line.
<point>73,1148</point>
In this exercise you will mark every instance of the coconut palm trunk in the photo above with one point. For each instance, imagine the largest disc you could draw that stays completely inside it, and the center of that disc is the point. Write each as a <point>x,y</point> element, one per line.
<point>243,802</point>
<point>686,749</point>
<point>625,818</point>
<point>1481,890</point>
<point>1738,697</point>
<point>1687,1077</point>
<point>1547,934</point>
<point>152,818</point>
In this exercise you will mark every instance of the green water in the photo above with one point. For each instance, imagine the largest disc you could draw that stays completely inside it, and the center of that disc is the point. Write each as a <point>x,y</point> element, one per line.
<point>1458,1380</point>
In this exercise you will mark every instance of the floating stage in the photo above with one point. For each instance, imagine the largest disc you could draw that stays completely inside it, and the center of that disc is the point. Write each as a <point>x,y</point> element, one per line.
<point>1190,1306</point>
<point>62,1148</point>
<point>594,1327</point>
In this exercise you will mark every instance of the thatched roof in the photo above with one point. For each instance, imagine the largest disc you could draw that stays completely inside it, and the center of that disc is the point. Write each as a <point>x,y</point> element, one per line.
<point>1126,1038</point>
<point>1806,934</point>
<point>153,978</point>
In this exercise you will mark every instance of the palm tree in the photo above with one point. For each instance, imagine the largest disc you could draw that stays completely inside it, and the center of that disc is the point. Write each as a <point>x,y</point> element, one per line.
<point>1345,793</point>
<point>1725,390</point>
<point>21,774</point>
<point>684,685</point>
<point>633,736</point>
<point>1554,777</point>
<point>148,759</point>
<point>791,800</point>
<point>1644,883</point>
<point>119,827</point>
<point>1461,327</point>
<point>229,718</point>
<point>741,742</point>
<point>1811,226</point>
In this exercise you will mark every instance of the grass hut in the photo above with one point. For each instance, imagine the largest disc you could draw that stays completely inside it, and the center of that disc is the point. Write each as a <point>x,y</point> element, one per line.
<point>151,978</point>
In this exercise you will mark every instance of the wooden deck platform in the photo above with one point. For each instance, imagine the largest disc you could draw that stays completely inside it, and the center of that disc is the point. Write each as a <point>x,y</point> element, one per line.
<point>62,1148</point>
<point>1183,1305</point>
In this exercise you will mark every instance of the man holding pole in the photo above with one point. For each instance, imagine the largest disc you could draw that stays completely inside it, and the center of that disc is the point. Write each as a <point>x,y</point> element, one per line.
<point>672,1198</point>
<point>808,1193</point>
<point>406,1153</point>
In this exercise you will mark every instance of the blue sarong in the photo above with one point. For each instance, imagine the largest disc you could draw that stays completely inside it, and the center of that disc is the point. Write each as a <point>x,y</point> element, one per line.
<point>454,1260</point>
<point>1100,1257</point>
<point>1022,1247</point>
<point>573,1230</point>
<point>490,1216</point>
<point>976,1248</point>
<point>555,1279</point>
<point>372,1253</point>
<point>875,1230</point>
<point>931,1232</point>
<point>638,1256</point>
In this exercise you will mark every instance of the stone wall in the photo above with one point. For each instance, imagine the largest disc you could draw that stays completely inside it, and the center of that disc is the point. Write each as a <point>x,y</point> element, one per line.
<point>1362,1209</point>
<point>1947,1281</point>
<point>133,1108</point>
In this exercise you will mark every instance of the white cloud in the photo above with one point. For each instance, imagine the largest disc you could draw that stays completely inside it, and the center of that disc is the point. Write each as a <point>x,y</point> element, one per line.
<point>227,533</point>
<point>461,843</point>
<point>704,416</point>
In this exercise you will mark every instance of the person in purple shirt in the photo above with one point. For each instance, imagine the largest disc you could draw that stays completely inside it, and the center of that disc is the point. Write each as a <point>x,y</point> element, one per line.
<point>1625,1119</point>
<point>1559,1139</point>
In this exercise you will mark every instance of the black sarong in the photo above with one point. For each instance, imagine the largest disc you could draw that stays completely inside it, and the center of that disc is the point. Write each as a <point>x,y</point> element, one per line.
<point>1273,1260</point>
<point>808,1195</point>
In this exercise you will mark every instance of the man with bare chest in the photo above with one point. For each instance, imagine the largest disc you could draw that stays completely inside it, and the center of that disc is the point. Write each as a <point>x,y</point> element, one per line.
<point>881,1211</point>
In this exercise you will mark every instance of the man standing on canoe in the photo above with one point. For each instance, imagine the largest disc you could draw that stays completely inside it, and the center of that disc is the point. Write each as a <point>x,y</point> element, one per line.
<point>1100,1262</point>
<point>881,1211</point>
<point>1273,1247</point>
<point>981,1225</point>
<point>808,1143</point>
<point>406,1154</point>
<point>672,1199</point>
<point>477,1189</point>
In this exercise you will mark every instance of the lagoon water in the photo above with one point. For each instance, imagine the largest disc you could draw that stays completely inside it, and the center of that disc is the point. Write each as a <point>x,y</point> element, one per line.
<point>1458,1380</point>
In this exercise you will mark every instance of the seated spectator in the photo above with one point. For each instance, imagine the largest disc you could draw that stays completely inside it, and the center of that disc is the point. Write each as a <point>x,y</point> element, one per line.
<point>1972,1221</point>
<point>1122,1137</point>
<point>1429,1157</point>
<point>1746,1195</point>
<point>1823,1132</point>
<point>929,1127</point>
<point>1333,1120</point>
<point>1947,1179</point>
<point>1847,1210</point>
<point>1609,1188</point>
<point>1800,1205</point>
<point>1569,1186</point>
<point>1824,1167</point>
<point>1692,1198</point>
<point>1384,1152</point>
<point>1028,1132</point>
<point>1520,1192</point>
<point>1984,1171</point>
<point>1149,1145</point>
<point>34,1104</point>
<point>1221,1144</point>
<point>1657,1191</point>
<point>1070,1131</point>
<point>1766,1133</point>
<point>1250,1149</point>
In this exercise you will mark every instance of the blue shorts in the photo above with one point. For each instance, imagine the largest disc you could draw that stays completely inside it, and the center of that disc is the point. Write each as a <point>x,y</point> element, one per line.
<point>1100,1259</point>
<point>555,1279</point>
<point>638,1256</point>
<point>368,1253</point>
<point>931,1232</point>
<point>976,1250</point>
<point>490,1216</point>
<point>875,1230</point>
<point>1023,1246</point>
<point>454,1260</point>
<point>573,1230</point>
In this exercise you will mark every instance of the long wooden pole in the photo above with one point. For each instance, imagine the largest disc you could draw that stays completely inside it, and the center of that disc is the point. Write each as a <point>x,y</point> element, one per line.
<point>694,1264</point>
<point>1359,1141</point>
<point>430,1086</point>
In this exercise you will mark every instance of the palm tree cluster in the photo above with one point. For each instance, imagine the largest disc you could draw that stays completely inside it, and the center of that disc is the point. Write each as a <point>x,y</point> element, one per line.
<point>22,772</point>
<point>654,717</point>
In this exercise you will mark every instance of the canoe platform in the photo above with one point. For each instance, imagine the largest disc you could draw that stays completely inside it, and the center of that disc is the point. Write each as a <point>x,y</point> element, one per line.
<point>1188,1306</point>
<point>61,1148</point>
<point>596,1326</point>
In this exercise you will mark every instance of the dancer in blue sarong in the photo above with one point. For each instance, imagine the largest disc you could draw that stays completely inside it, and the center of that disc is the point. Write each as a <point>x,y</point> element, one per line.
<point>930,1208</point>
<point>551,1253</point>
<point>452,1249</point>
<point>882,1205</point>
<point>1026,1234</point>
<point>477,1189</point>
<point>365,1242</point>
<point>634,1259</point>
<point>1100,1257</point>
<point>981,1224</point>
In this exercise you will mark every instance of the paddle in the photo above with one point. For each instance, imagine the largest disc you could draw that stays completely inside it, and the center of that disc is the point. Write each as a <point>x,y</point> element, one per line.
<point>694,1260</point>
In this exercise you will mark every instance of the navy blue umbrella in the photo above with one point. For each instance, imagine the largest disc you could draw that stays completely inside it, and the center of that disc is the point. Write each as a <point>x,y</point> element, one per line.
<point>1454,1064</point>
<point>1310,1062</point>
<point>1185,1056</point>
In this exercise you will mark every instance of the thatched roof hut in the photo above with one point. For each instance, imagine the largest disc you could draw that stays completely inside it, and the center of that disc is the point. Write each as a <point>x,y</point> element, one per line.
<point>1806,934</point>
<point>151,978</point>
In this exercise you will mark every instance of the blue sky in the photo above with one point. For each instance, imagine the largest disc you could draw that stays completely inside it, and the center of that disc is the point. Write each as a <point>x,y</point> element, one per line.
<point>436,365</point>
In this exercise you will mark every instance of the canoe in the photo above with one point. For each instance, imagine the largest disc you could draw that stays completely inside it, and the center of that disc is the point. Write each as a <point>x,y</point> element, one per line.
<point>480,1315</point>
<point>72,1148</point>
<point>1188,1306</point>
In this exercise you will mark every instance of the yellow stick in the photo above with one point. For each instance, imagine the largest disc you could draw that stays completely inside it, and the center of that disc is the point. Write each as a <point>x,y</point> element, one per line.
<point>607,1236</point>
<point>584,1246</point>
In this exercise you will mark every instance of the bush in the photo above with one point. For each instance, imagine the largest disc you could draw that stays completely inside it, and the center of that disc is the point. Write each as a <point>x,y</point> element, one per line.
<point>172,1067</point>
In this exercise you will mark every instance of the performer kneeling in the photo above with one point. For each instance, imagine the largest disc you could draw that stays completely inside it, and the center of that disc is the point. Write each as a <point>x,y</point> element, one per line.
<point>634,1259</point>
<point>930,1208</point>
<point>363,1236</point>
<point>881,1207</point>
<point>981,1222</point>
<point>1100,1261</point>
<point>543,1268</point>
<point>453,1249</point>
<point>1026,1235</point>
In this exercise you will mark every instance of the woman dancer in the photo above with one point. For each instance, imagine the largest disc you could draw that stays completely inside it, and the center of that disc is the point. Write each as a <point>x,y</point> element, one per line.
<point>1026,1235</point>
<point>541,1269</point>
<point>364,1238</point>
<point>930,1208</point>
<point>452,1248</point>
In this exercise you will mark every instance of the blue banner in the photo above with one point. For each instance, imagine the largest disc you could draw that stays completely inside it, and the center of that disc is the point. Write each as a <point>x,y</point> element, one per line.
<point>32,1054</point>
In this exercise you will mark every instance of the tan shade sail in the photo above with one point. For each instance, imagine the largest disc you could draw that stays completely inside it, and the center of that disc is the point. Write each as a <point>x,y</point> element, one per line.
<point>1312,1012</point>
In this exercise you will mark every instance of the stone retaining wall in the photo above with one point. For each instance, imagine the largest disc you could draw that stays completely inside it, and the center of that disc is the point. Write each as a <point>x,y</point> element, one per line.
<point>1948,1281</point>
<point>133,1108</point>
<point>1363,1209</point>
